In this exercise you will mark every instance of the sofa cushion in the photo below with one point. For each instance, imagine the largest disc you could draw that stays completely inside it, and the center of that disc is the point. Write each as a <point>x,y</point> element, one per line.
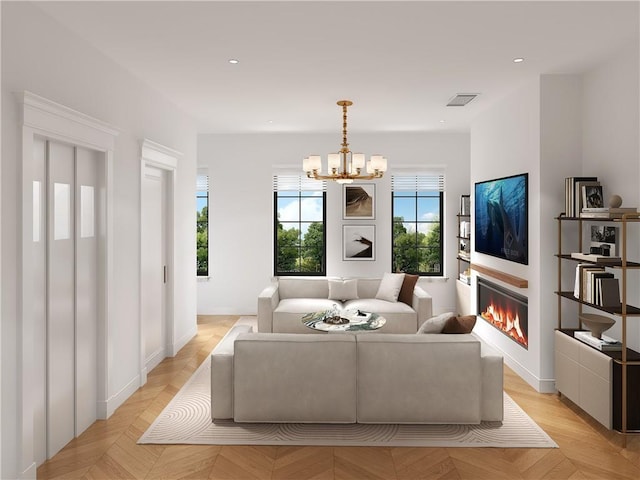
<point>287,316</point>
<point>303,287</point>
<point>390,286</point>
<point>401,318</point>
<point>439,377</point>
<point>406,291</point>
<point>343,289</point>
<point>436,324</point>
<point>295,378</point>
<point>462,324</point>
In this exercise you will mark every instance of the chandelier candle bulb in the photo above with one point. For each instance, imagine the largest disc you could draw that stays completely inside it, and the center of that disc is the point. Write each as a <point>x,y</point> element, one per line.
<point>333,162</point>
<point>315,163</point>
<point>357,161</point>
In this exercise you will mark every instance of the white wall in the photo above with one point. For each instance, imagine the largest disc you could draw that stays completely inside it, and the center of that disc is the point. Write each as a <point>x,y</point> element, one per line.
<point>40,56</point>
<point>241,208</point>
<point>611,149</point>
<point>554,127</point>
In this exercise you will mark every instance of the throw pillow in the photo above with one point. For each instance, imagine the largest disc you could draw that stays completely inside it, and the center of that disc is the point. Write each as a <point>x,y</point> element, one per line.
<point>460,324</point>
<point>390,286</point>
<point>406,292</point>
<point>435,324</point>
<point>343,290</point>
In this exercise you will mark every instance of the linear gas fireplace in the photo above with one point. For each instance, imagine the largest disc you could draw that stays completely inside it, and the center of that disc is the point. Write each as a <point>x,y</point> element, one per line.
<point>505,310</point>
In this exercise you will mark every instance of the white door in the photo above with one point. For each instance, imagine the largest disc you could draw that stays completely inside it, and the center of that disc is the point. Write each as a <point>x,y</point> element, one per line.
<point>66,222</point>
<point>154,266</point>
<point>87,274</point>
<point>60,298</point>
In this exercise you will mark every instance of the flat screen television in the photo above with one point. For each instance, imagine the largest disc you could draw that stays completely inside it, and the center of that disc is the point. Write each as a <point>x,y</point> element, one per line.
<point>501,218</point>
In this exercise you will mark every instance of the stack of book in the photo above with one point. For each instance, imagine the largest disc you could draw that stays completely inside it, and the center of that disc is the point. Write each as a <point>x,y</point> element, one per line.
<point>596,258</point>
<point>595,285</point>
<point>573,194</point>
<point>605,344</point>
<point>606,212</point>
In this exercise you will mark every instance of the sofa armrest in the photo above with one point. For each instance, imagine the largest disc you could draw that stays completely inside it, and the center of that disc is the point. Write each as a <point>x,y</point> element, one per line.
<point>222,374</point>
<point>492,363</point>
<point>267,302</point>
<point>422,305</point>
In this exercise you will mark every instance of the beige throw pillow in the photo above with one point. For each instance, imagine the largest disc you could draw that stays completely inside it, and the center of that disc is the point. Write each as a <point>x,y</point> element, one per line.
<point>390,286</point>
<point>436,324</point>
<point>343,290</point>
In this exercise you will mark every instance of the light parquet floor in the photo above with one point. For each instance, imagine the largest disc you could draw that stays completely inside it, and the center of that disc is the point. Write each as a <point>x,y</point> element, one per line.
<point>108,449</point>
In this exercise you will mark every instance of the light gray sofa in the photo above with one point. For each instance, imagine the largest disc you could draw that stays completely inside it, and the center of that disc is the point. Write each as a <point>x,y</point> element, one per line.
<point>282,305</point>
<point>360,377</point>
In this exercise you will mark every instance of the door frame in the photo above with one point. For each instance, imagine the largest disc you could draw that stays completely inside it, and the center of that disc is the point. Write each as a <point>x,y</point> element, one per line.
<point>51,120</point>
<point>153,154</point>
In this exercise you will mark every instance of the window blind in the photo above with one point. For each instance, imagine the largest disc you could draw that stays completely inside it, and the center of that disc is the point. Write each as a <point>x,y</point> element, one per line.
<point>298,183</point>
<point>433,182</point>
<point>202,183</point>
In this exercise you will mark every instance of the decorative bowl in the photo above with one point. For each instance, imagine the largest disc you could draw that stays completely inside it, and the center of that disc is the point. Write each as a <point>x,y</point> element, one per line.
<point>596,323</point>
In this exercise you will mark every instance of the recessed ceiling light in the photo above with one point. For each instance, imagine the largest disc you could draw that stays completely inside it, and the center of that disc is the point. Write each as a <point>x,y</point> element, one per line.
<point>518,60</point>
<point>270,121</point>
<point>441,121</point>
<point>233,61</point>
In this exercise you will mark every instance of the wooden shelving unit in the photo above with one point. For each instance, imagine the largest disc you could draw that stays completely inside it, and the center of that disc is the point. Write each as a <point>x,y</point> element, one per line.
<point>625,376</point>
<point>464,242</point>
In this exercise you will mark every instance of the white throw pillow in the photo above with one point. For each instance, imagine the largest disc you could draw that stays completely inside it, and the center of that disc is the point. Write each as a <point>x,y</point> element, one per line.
<point>435,324</point>
<point>390,286</point>
<point>343,290</point>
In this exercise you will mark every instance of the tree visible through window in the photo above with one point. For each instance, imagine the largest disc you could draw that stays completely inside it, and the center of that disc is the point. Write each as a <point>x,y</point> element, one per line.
<point>202,225</point>
<point>299,216</point>
<point>417,203</point>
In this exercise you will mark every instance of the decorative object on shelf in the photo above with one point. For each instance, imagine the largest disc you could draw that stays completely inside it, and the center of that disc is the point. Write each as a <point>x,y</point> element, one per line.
<point>358,242</point>
<point>604,240</point>
<point>604,344</point>
<point>615,201</point>
<point>596,323</point>
<point>592,196</point>
<point>501,218</point>
<point>465,205</point>
<point>345,166</point>
<point>359,202</point>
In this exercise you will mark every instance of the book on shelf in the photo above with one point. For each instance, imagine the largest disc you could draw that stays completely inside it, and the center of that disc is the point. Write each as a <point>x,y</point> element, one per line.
<point>610,210</point>
<point>573,194</point>
<point>602,215</point>
<point>604,344</point>
<point>596,258</point>
<point>608,292</point>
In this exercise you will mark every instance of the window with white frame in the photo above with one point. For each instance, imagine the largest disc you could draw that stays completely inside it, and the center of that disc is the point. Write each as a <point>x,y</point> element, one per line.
<point>417,223</point>
<point>299,206</point>
<point>202,224</point>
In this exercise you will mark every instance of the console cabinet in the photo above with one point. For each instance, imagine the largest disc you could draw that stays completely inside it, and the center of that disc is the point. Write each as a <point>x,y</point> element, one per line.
<point>605,384</point>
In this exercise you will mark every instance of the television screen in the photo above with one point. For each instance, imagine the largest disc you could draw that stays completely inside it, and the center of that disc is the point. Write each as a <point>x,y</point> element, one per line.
<point>501,227</point>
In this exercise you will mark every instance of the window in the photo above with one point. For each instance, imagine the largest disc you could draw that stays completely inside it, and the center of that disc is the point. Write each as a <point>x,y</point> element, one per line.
<point>299,219</point>
<point>202,225</point>
<point>417,203</point>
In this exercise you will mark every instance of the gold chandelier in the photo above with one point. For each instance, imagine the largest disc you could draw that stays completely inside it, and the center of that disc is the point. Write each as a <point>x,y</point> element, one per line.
<point>345,166</point>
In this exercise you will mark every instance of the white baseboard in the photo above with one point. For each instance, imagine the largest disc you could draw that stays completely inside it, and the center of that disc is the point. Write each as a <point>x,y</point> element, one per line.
<point>30,472</point>
<point>181,342</point>
<point>106,408</point>
<point>154,360</point>
<point>541,385</point>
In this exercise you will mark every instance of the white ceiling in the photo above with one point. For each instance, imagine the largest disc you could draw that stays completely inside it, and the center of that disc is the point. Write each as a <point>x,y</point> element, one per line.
<point>399,62</point>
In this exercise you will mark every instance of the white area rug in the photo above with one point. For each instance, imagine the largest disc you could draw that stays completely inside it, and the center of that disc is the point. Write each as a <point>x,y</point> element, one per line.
<point>187,420</point>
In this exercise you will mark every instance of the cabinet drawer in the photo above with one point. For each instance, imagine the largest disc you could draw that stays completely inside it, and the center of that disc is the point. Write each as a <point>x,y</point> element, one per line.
<point>568,377</point>
<point>568,346</point>
<point>595,396</point>
<point>596,362</point>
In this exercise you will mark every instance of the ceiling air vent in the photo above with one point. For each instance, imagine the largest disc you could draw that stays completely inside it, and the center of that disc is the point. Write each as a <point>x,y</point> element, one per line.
<point>461,99</point>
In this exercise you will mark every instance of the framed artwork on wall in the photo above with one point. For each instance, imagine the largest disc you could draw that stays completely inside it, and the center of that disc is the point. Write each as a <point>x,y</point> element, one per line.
<point>358,242</point>
<point>358,201</point>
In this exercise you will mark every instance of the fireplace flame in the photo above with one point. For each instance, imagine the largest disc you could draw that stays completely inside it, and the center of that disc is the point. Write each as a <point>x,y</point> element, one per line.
<point>507,321</point>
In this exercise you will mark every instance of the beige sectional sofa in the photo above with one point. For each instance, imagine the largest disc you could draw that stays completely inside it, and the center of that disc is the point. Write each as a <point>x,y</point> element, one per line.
<point>360,377</point>
<point>282,305</point>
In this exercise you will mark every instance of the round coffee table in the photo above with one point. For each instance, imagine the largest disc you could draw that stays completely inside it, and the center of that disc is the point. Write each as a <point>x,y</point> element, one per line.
<point>358,321</point>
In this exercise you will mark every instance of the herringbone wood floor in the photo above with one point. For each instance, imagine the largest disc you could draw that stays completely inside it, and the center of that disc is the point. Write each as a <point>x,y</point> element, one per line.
<point>108,448</point>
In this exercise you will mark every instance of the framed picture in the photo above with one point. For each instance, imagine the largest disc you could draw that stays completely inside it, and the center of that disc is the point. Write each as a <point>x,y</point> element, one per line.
<point>592,196</point>
<point>358,242</point>
<point>358,202</point>
<point>604,241</point>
